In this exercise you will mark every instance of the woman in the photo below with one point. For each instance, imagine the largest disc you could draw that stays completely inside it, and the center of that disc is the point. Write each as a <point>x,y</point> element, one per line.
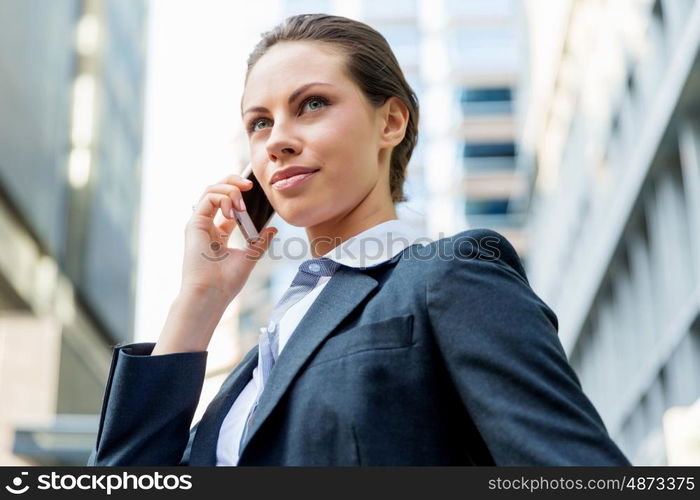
<point>426,355</point>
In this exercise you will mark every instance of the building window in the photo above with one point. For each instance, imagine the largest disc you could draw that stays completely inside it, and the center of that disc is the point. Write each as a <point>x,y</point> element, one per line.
<point>486,100</point>
<point>487,207</point>
<point>488,149</point>
<point>483,157</point>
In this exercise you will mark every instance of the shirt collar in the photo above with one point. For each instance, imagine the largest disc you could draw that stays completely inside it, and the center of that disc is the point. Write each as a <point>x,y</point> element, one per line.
<point>376,245</point>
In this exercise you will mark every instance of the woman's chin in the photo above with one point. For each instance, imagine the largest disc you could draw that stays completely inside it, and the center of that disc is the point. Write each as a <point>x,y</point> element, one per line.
<point>299,217</point>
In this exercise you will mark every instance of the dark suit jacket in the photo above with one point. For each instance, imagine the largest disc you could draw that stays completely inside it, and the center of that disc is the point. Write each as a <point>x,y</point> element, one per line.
<point>442,355</point>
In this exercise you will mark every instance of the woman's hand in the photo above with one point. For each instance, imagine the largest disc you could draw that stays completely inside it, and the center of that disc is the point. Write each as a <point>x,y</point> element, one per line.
<point>209,266</point>
<point>212,273</point>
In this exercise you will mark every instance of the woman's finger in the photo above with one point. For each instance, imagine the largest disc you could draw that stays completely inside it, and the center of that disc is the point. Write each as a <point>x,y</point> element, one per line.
<point>232,191</point>
<point>236,179</point>
<point>211,203</point>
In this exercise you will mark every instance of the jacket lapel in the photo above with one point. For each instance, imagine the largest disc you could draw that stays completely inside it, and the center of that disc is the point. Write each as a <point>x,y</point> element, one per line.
<point>203,451</point>
<point>345,290</point>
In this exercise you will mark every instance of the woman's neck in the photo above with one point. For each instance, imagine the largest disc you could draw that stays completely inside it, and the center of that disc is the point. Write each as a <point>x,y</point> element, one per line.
<point>325,236</point>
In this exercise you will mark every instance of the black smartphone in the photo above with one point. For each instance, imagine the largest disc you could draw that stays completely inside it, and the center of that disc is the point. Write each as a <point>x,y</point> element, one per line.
<point>258,211</point>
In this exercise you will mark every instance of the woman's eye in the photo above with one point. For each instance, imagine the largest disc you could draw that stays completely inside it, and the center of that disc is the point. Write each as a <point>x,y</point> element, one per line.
<point>314,100</point>
<point>252,127</point>
<point>312,103</point>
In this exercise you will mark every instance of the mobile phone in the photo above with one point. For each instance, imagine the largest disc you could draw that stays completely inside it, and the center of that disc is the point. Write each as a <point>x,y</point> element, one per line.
<point>258,211</point>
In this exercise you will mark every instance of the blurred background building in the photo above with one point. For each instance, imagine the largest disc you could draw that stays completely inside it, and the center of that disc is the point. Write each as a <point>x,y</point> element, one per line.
<point>71,113</point>
<point>471,52</point>
<point>610,140</point>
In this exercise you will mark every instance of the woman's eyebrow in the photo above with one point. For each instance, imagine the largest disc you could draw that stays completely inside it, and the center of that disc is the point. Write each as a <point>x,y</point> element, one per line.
<point>293,96</point>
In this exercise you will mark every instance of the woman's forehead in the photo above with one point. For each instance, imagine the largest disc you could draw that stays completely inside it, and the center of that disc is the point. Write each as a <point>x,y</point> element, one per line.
<point>296,59</point>
<point>302,48</point>
<point>284,72</point>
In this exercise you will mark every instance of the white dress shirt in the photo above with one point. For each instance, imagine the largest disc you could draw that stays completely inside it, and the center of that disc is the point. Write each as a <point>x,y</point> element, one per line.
<point>367,249</point>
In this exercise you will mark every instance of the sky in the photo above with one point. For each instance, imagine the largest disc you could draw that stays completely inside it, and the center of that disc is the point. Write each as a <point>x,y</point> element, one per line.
<point>194,81</point>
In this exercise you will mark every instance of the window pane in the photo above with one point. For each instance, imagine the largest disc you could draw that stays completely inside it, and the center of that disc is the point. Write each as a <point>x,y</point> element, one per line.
<point>488,149</point>
<point>487,207</point>
<point>486,100</point>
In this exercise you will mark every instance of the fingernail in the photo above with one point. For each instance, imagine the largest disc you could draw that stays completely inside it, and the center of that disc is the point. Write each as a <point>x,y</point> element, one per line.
<point>241,205</point>
<point>233,215</point>
<point>248,181</point>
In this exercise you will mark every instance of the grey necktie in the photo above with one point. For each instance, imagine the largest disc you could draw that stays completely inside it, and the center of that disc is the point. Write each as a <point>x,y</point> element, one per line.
<point>305,280</point>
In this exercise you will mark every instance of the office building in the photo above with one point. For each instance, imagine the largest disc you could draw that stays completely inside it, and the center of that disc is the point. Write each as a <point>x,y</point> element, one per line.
<point>609,137</point>
<point>71,101</point>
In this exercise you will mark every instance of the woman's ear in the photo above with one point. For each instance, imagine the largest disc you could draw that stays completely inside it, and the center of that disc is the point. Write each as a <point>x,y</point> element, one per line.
<point>394,119</point>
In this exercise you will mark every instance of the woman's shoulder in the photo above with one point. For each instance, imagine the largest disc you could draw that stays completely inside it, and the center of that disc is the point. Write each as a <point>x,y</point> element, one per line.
<point>472,248</point>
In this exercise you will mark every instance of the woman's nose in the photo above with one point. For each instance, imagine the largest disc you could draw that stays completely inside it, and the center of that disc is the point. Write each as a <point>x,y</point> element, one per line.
<point>282,142</point>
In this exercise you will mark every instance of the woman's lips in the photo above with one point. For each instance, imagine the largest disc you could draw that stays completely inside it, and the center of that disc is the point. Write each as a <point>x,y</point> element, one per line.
<point>292,181</point>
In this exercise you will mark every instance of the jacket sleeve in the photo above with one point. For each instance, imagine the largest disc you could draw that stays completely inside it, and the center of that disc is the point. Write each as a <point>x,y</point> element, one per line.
<point>500,344</point>
<point>148,406</point>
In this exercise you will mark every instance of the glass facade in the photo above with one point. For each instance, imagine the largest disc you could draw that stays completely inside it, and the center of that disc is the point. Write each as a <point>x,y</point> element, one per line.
<point>482,157</point>
<point>36,71</point>
<point>71,114</point>
<point>110,253</point>
<point>487,207</point>
<point>489,149</point>
<point>486,100</point>
<point>484,48</point>
<point>91,231</point>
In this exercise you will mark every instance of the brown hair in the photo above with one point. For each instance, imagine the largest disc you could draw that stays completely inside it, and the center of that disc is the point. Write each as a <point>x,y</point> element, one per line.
<point>371,64</point>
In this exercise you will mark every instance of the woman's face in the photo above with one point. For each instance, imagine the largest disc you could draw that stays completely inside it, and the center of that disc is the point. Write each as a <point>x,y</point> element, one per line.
<point>301,109</point>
